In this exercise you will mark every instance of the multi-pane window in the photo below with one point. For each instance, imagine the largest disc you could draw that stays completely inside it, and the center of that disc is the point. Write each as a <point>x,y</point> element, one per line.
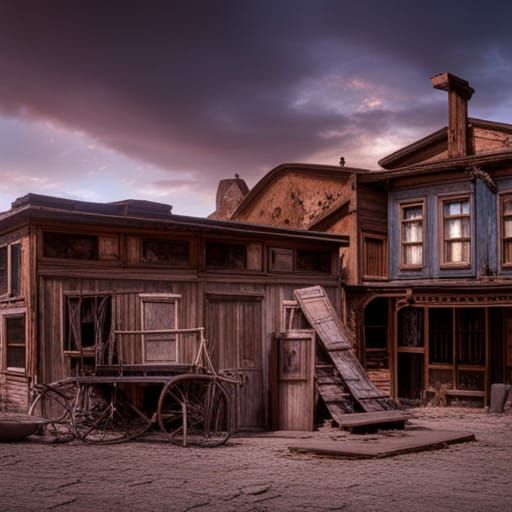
<point>14,336</point>
<point>456,231</point>
<point>10,269</point>
<point>506,229</point>
<point>412,235</point>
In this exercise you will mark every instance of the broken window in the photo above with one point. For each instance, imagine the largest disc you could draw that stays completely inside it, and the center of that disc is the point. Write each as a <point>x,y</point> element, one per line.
<point>313,261</point>
<point>226,255</point>
<point>70,246</point>
<point>14,332</point>
<point>171,252</point>
<point>89,322</point>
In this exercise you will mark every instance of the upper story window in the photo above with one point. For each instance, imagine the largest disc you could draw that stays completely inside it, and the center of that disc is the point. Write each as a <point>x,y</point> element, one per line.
<point>70,246</point>
<point>456,231</point>
<point>313,261</point>
<point>170,252</point>
<point>226,255</point>
<point>506,229</point>
<point>10,269</point>
<point>411,221</point>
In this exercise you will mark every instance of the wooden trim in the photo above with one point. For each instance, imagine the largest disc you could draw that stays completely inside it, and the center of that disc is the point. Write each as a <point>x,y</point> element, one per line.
<point>410,203</point>
<point>442,199</point>
<point>10,313</point>
<point>501,238</point>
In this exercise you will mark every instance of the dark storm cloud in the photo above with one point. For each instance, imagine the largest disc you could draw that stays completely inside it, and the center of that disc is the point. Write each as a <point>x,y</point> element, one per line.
<point>215,87</point>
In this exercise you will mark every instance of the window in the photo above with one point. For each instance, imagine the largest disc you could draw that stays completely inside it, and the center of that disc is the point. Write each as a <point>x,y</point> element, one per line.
<point>456,231</point>
<point>171,252</point>
<point>14,336</point>
<point>222,254</point>
<point>70,246</point>
<point>313,261</point>
<point>281,260</point>
<point>506,230</point>
<point>10,269</point>
<point>89,321</point>
<point>411,221</point>
<point>292,317</point>
<point>374,254</point>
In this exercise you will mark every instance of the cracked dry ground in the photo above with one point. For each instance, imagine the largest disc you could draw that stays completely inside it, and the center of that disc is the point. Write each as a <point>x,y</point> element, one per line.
<point>259,474</point>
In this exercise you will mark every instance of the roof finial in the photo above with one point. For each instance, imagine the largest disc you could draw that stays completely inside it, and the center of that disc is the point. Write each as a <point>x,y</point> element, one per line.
<point>342,161</point>
<point>237,176</point>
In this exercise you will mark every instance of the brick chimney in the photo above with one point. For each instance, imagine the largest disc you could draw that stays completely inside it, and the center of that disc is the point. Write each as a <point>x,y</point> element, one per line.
<point>459,93</point>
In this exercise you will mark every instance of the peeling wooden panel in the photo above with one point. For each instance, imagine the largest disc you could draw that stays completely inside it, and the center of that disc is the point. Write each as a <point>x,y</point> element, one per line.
<point>15,392</point>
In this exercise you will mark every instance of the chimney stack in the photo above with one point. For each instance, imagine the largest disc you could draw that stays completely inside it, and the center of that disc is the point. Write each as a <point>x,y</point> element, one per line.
<point>459,93</point>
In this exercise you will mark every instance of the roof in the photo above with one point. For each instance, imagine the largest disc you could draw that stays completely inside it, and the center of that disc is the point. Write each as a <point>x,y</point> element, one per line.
<point>440,166</point>
<point>141,214</point>
<point>437,138</point>
<point>314,169</point>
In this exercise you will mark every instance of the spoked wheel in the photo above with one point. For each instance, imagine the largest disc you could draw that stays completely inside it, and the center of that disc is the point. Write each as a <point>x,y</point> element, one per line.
<point>195,410</point>
<point>104,415</point>
<point>53,403</point>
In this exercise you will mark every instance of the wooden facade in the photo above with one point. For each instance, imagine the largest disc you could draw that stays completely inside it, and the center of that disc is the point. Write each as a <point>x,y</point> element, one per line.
<point>427,275</point>
<point>76,271</point>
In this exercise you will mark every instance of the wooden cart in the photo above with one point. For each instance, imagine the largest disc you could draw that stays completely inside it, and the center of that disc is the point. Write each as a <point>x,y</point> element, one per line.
<point>194,405</point>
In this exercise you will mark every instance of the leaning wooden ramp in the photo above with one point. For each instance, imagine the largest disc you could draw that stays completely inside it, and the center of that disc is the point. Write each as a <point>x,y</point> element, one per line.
<point>319,312</point>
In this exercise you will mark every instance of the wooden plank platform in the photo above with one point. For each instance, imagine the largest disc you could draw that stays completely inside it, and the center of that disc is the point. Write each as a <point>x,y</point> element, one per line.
<point>414,440</point>
<point>373,420</point>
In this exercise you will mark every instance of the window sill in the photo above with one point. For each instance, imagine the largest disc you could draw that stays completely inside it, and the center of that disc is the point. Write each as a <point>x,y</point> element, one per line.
<point>19,372</point>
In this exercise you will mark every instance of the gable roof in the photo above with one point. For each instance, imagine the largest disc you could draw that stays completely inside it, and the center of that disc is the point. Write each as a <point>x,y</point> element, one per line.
<point>434,144</point>
<point>276,172</point>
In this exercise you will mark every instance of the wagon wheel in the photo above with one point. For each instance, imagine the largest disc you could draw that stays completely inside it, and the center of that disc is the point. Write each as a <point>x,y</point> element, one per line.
<point>195,410</point>
<point>104,415</point>
<point>54,405</point>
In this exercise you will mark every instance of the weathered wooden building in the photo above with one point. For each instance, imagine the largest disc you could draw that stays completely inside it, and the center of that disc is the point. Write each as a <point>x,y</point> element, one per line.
<point>71,272</point>
<point>427,277</point>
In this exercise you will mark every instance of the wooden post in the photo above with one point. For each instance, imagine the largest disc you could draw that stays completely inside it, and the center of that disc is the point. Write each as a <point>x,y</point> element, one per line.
<point>459,93</point>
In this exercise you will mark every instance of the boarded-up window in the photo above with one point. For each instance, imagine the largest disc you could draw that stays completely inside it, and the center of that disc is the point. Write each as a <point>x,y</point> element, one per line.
<point>15,341</point>
<point>280,259</point>
<point>159,313</point>
<point>171,252</point>
<point>226,255</point>
<point>89,321</point>
<point>374,252</point>
<point>70,246</point>
<point>3,271</point>
<point>313,261</point>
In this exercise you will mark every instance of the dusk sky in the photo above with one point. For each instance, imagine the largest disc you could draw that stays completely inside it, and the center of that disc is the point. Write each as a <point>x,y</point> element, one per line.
<point>153,100</point>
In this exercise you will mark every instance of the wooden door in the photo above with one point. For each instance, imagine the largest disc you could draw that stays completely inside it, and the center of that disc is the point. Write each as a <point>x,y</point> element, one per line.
<point>235,336</point>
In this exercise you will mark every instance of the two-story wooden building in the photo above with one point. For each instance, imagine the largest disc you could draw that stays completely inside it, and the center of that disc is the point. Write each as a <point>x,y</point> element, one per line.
<point>71,272</point>
<point>427,278</point>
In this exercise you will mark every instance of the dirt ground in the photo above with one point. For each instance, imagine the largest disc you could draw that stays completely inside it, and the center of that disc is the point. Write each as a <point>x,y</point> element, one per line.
<point>259,474</point>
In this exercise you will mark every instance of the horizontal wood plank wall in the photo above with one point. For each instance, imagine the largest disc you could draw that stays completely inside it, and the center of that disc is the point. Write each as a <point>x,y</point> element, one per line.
<point>15,392</point>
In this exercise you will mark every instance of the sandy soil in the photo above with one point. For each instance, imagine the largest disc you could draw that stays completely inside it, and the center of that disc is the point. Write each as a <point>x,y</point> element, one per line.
<point>259,474</point>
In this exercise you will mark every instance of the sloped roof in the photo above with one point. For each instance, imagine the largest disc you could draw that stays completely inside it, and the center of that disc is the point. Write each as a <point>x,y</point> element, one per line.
<point>436,141</point>
<point>276,172</point>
